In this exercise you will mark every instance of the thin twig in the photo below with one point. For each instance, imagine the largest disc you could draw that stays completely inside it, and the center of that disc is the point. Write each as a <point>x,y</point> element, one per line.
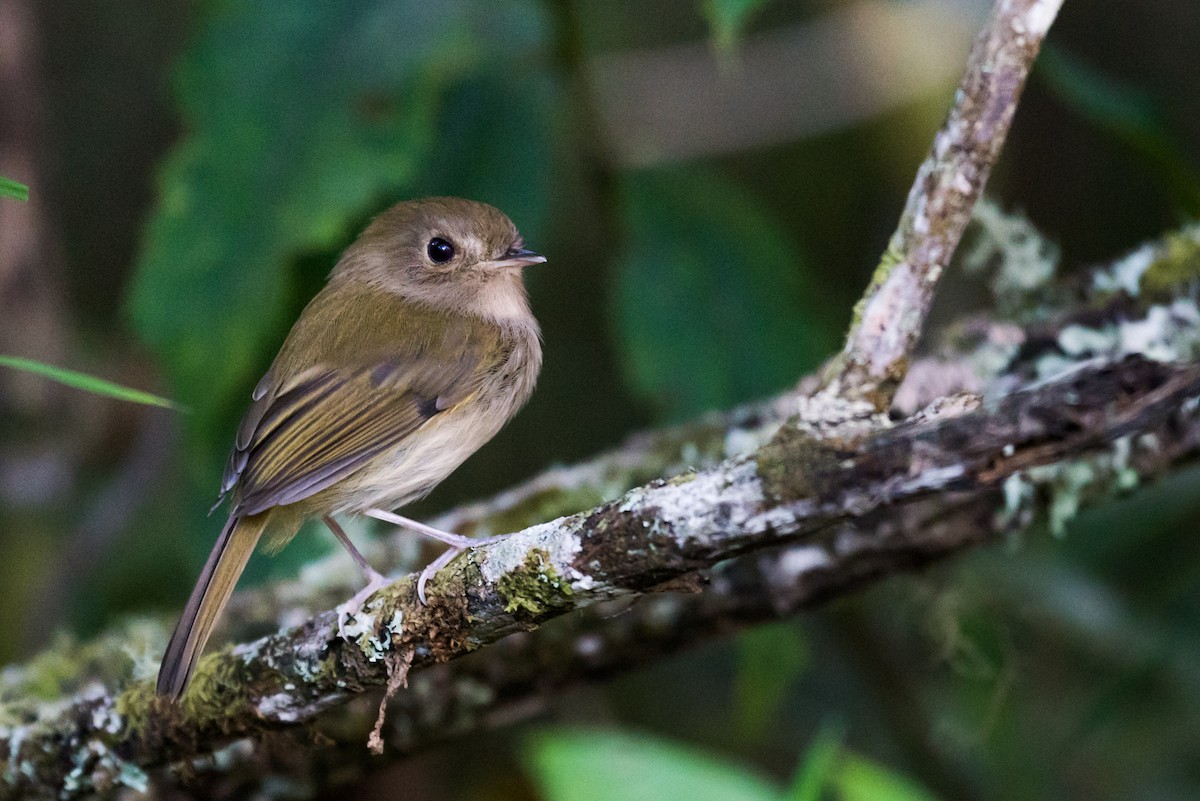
<point>888,320</point>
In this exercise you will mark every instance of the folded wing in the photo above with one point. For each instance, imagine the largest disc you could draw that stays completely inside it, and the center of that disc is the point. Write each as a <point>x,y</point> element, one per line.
<point>298,439</point>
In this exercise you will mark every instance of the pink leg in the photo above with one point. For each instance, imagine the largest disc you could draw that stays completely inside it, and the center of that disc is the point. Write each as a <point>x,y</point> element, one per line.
<point>372,575</point>
<point>375,579</point>
<point>457,542</point>
<point>453,540</point>
<point>432,569</point>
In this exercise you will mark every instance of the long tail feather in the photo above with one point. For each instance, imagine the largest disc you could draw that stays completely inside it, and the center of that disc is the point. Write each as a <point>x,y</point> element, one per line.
<point>211,593</point>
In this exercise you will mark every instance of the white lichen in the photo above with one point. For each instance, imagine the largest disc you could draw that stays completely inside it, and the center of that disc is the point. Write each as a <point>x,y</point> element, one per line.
<point>933,478</point>
<point>105,717</point>
<point>1166,333</point>
<point>799,560</point>
<point>1068,483</point>
<point>1018,499</point>
<point>1125,477</point>
<point>279,707</point>
<point>509,555</point>
<point>371,635</point>
<point>827,410</point>
<point>683,511</point>
<point>1125,275</point>
<point>222,760</point>
<point>744,441</point>
<point>95,767</point>
<point>16,736</point>
<point>1079,341</point>
<point>1022,261</point>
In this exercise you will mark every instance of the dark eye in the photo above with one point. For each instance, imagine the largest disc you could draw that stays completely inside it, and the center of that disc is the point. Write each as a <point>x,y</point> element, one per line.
<point>440,251</point>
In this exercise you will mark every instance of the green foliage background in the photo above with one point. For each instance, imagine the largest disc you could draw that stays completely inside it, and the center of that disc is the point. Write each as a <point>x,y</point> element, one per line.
<point>204,163</point>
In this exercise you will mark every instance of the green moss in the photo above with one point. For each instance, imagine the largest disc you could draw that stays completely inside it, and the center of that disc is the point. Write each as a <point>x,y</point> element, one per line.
<point>1176,264</point>
<point>682,478</point>
<point>67,665</point>
<point>534,588</point>
<point>890,258</point>
<point>215,698</point>
<point>794,465</point>
<point>47,674</point>
<point>134,707</point>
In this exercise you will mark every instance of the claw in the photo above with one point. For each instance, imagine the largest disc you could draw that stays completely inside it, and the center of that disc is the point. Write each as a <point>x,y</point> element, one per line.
<point>354,604</point>
<point>446,558</point>
<point>432,569</point>
<point>457,542</point>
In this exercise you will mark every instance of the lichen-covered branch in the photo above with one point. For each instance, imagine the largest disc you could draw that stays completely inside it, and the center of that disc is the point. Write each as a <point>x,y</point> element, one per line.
<point>860,499</point>
<point>1139,305</point>
<point>887,321</point>
<point>800,486</point>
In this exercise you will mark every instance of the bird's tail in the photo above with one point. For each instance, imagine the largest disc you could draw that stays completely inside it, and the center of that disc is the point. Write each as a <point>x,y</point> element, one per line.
<point>211,593</point>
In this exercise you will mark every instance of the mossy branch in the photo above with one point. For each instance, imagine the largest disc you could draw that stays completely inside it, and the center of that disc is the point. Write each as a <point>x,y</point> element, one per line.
<point>849,500</point>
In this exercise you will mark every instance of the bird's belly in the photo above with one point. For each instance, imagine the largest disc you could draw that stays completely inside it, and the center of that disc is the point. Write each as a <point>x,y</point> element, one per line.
<point>432,452</point>
<point>412,470</point>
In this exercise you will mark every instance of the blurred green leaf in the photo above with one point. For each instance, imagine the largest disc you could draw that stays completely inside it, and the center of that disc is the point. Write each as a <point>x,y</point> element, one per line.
<point>860,779</point>
<point>495,146</point>
<point>15,189</point>
<point>817,770</point>
<point>1132,115</point>
<point>710,300</point>
<point>611,766</point>
<point>728,18</point>
<point>302,119</point>
<point>88,383</point>
<point>770,659</point>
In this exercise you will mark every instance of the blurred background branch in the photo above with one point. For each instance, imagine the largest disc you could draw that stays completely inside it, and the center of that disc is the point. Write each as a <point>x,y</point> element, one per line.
<point>800,80</point>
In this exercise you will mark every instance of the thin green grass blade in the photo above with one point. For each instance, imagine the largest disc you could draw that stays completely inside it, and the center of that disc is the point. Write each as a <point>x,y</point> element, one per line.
<point>11,188</point>
<point>87,383</point>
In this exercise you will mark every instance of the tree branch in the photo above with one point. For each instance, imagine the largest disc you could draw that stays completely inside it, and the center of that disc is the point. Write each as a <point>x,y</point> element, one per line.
<point>865,497</point>
<point>888,319</point>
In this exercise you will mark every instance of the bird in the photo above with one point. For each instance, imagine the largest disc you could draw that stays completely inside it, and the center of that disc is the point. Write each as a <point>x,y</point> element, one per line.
<point>420,347</point>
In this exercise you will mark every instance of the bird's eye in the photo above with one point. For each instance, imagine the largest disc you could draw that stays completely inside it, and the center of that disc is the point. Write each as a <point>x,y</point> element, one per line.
<point>440,251</point>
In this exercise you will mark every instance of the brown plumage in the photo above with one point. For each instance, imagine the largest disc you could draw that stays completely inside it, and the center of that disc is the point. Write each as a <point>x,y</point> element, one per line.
<point>400,368</point>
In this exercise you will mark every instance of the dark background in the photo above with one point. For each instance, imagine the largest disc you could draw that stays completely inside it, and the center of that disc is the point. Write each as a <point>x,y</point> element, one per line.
<point>195,167</point>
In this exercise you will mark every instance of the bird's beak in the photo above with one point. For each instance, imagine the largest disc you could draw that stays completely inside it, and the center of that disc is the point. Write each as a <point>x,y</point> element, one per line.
<point>518,257</point>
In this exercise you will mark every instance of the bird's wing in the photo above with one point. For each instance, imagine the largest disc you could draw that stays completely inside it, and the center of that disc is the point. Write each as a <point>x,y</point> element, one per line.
<point>299,438</point>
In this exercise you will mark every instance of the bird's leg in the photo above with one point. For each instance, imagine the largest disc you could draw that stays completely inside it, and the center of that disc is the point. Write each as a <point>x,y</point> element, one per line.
<point>375,579</point>
<point>457,542</point>
<point>453,540</point>
<point>372,575</point>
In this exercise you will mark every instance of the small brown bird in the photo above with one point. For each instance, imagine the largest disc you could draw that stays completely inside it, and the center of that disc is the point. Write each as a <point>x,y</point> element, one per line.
<point>419,348</point>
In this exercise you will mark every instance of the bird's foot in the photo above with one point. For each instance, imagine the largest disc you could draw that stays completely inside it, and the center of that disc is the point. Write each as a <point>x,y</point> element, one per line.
<point>432,569</point>
<point>446,558</point>
<point>351,608</point>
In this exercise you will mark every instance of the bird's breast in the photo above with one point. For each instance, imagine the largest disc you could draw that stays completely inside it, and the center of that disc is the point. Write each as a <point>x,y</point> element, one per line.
<point>421,461</point>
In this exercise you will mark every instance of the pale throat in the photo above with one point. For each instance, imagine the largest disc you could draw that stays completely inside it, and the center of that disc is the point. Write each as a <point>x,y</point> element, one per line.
<point>503,300</point>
